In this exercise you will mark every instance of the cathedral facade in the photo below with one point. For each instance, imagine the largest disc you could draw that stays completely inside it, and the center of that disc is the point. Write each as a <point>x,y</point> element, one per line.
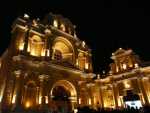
<point>46,64</point>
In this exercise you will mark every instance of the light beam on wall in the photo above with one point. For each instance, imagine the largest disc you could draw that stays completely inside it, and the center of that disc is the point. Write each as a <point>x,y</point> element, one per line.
<point>14,99</point>
<point>27,104</point>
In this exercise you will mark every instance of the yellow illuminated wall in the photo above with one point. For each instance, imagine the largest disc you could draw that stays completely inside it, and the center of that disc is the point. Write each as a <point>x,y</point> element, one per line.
<point>65,48</point>
<point>36,46</point>
<point>108,99</point>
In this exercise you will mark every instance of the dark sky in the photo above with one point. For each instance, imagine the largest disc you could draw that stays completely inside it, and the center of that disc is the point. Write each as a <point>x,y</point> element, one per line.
<point>105,25</point>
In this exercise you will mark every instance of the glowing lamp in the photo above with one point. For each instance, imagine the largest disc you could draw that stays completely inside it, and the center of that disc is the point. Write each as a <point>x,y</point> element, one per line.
<point>86,65</point>
<point>21,46</point>
<point>40,100</point>
<point>48,53</point>
<point>79,100</point>
<point>27,104</point>
<point>0,64</point>
<point>77,62</point>
<point>0,98</point>
<point>136,65</point>
<point>117,70</point>
<point>28,48</point>
<point>46,99</point>
<point>43,52</point>
<point>124,66</point>
<point>90,101</point>
<point>75,110</point>
<point>55,23</point>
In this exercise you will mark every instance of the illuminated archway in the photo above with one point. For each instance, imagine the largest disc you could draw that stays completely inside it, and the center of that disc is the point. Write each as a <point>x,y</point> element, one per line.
<point>63,46</point>
<point>29,97</point>
<point>70,91</point>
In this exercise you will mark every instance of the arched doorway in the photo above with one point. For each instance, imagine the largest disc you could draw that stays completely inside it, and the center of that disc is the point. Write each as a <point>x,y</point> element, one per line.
<point>29,97</point>
<point>64,96</point>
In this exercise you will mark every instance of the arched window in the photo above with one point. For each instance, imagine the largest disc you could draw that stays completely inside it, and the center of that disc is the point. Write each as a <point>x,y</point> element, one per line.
<point>35,45</point>
<point>63,50</point>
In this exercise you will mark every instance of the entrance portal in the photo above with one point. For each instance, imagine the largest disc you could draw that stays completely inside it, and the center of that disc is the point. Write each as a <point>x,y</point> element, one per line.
<point>63,96</point>
<point>61,99</point>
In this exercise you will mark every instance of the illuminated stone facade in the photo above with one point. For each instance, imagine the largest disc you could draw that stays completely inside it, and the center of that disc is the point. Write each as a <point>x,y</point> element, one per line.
<point>46,64</point>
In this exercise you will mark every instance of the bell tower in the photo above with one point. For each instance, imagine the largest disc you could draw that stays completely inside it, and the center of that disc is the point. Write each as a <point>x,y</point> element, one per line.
<point>124,60</point>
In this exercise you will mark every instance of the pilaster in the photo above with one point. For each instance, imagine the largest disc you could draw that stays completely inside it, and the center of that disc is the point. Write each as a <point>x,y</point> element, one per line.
<point>16,99</point>
<point>116,94</point>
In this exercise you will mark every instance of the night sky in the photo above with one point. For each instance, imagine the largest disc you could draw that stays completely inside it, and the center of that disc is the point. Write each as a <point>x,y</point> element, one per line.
<point>104,25</point>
